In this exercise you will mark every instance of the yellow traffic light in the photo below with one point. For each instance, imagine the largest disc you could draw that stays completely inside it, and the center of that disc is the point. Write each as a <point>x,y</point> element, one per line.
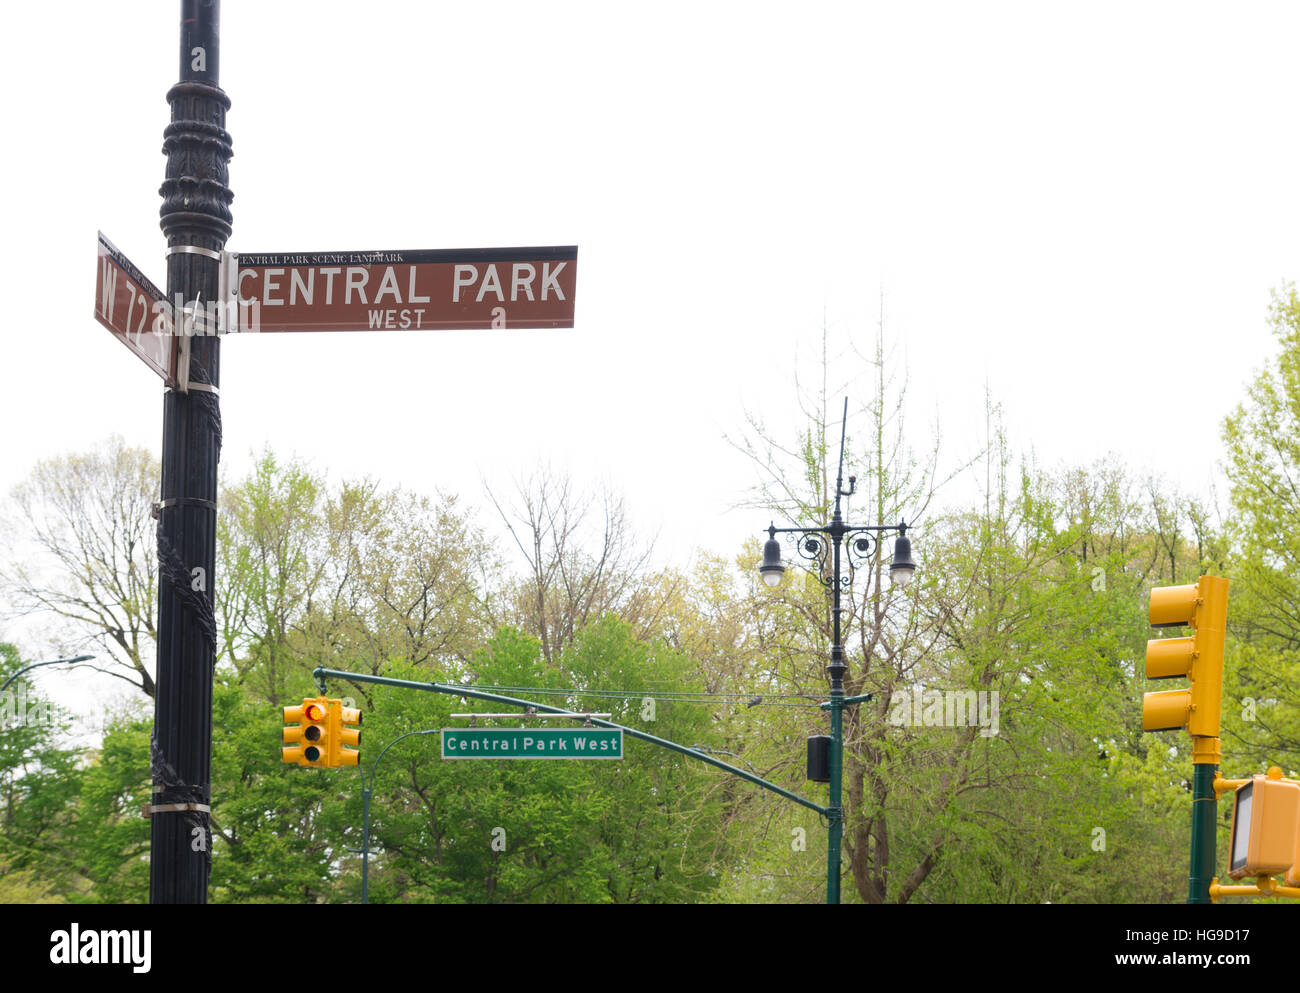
<point>1204,607</point>
<point>308,742</point>
<point>319,734</point>
<point>1266,828</point>
<point>341,735</point>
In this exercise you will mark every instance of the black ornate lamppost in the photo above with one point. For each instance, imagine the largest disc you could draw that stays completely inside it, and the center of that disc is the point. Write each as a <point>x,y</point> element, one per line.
<point>854,544</point>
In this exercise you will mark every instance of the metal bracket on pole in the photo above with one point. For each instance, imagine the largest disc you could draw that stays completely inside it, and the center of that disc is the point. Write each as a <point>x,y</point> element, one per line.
<point>227,310</point>
<point>195,319</point>
<point>149,809</point>
<point>848,701</point>
<point>161,505</point>
<point>183,360</point>
<point>200,320</point>
<point>228,294</point>
<point>192,250</point>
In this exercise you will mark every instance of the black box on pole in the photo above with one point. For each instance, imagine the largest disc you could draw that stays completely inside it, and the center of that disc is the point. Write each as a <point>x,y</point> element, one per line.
<point>819,758</point>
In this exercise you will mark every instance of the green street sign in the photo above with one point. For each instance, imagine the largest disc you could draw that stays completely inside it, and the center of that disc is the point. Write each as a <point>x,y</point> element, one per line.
<point>532,743</point>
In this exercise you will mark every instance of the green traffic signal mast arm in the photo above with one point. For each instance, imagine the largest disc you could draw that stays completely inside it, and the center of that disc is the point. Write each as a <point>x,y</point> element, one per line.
<point>452,689</point>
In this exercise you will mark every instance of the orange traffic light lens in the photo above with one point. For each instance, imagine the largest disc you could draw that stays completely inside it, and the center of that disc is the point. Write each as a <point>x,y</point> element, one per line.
<point>315,712</point>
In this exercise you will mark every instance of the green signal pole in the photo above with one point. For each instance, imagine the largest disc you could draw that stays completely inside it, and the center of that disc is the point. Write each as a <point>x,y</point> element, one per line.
<point>365,797</point>
<point>1200,872</point>
<point>835,829</point>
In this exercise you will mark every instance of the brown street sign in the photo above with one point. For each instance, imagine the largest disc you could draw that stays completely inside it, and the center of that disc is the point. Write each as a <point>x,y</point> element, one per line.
<point>469,289</point>
<point>130,306</point>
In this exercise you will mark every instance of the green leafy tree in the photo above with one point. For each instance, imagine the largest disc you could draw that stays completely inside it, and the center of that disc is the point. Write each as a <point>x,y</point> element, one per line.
<point>39,784</point>
<point>112,836</point>
<point>1263,465</point>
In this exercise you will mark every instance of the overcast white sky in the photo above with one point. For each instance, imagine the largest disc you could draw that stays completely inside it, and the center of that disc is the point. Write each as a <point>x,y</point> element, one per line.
<point>1083,205</point>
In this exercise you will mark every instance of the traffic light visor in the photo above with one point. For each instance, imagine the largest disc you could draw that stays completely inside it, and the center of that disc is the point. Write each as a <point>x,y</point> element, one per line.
<point>1170,658</point>
<point>1172,606</point>
<point>1166,711</point>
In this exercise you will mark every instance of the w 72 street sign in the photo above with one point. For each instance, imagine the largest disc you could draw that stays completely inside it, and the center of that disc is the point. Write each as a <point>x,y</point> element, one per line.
<point>136,311</point>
